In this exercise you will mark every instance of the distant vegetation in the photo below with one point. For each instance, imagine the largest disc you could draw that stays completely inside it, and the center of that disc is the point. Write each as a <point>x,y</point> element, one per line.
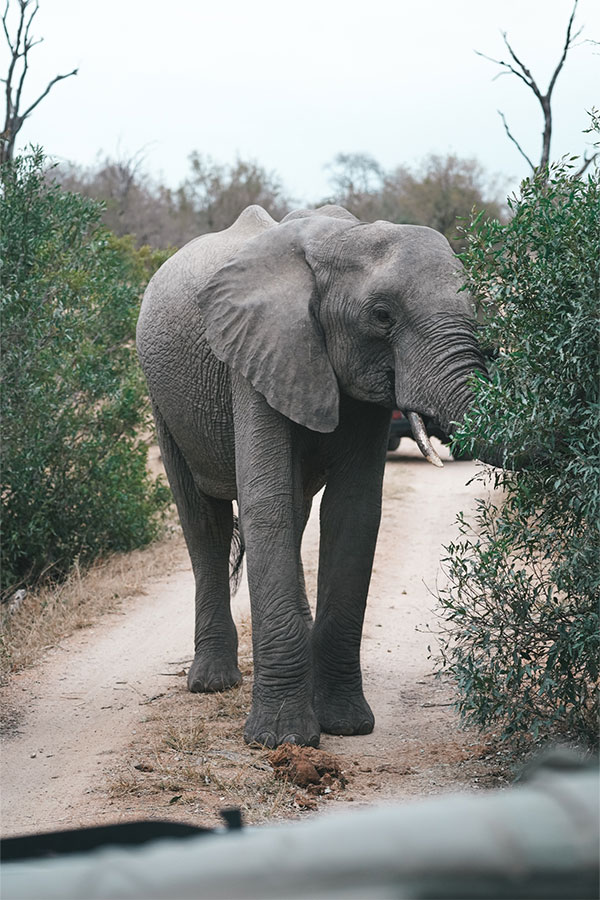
<point>74,406</point>
<point>522,607</point>
<point>210,198</point>
<point>443,192</point>
<point>438,193</point>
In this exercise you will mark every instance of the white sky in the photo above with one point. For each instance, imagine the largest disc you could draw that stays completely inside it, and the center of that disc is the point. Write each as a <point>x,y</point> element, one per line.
<point>290,84</point>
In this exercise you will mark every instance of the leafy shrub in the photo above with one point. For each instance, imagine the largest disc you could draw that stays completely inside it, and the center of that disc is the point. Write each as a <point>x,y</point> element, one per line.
<point>521,632</point>
<point>74,481</point>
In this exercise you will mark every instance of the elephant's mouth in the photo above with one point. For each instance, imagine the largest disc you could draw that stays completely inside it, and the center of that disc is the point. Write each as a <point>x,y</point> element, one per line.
<point>389,387</point>
<point>391,380</point>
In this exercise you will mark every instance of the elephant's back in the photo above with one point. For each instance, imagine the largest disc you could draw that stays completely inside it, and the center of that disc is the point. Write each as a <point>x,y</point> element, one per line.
<point>179,280</point>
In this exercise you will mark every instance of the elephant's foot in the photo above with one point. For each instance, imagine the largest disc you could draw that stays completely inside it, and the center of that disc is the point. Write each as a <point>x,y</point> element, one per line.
<point>282,723</point>
<point>343,712</point>
<point>212,672</point>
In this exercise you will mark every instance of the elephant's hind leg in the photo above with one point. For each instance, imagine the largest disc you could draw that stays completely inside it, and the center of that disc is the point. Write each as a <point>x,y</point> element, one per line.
<point>208,527</point>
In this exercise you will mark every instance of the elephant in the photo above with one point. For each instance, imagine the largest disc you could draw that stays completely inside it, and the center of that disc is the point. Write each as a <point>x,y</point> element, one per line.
<point>274,355</point>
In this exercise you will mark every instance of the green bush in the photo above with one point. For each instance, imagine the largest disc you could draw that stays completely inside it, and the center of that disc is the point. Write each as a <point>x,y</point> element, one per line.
<point>74,481</point>
<point>520,612</point>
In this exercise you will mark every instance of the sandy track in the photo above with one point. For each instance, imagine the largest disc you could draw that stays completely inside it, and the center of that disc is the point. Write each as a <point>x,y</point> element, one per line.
<point>79,710</point>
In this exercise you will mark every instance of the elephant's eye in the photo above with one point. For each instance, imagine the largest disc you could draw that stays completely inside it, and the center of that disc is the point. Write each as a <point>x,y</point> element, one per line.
<point>382,315</point>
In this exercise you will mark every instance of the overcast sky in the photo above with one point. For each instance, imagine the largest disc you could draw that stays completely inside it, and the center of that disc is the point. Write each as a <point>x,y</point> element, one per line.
<point>291,84</point>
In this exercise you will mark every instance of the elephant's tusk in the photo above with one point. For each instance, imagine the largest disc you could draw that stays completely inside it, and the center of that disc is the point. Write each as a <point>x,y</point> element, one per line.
<point>422,438</point>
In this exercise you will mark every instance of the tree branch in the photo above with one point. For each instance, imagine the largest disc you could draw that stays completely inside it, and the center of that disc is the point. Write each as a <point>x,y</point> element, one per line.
<point>17,100</point>
<point>19,49</point>
<point>501,62</point>
<point>568,41</point>
<point>24,4</point>
<point>587,160</point>
<point>521,71</point>
<point>5,27</point>
<point>47,91</point>
<point>528,79</point>
<point>514,140</point>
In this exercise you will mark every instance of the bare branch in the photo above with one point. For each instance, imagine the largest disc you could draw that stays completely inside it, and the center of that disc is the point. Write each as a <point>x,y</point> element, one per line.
<point>34,43</point>
<point>20,48</point>
<point>528,79</point>
<point>518,68</point>
<point>587,160</point>
<point>514,140</point>
<point>28,42</point>
<point>507,66</point>
<point>47,91</point>
<point>17,100</point>
<point>5,27</point>
<point>29,21</point>
<point>15,51</point>
<point>568,42</point>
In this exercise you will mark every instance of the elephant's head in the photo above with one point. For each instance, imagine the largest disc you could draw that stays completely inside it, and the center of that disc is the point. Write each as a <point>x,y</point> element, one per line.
<point>323,303</point>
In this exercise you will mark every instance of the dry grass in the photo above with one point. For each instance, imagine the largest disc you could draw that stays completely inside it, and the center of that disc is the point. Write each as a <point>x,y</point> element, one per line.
<point>196,765</point>
<point>195,791</point>
<point>186,740</point>
<point>49,614</point>
<point>188,760</point>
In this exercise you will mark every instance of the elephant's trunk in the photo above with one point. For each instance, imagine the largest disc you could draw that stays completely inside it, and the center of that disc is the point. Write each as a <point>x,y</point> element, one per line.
<point>433,374</point>
<point>433,365</point>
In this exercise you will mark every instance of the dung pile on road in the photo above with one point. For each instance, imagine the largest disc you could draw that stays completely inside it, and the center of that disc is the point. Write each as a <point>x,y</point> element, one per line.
<point>314,770</point>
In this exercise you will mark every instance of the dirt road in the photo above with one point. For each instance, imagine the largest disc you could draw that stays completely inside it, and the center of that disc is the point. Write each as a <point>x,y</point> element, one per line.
<point>95,739</point>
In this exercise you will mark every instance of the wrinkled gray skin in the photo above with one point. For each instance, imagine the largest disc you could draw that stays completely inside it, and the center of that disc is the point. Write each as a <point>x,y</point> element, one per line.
<point>274,354</point>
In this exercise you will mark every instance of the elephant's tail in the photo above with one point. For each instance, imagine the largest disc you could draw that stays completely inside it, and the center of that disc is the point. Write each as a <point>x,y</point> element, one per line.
<point>236,557</point>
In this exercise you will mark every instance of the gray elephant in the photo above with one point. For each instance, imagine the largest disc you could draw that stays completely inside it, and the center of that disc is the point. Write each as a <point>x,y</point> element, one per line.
<point>274,354</point>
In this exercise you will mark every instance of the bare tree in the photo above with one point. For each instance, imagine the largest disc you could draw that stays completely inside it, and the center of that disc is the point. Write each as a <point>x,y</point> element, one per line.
<point>20,46</point>
<point>518,68</point>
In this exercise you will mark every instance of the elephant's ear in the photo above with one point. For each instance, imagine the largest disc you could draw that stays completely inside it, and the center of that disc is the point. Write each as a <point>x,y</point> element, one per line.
<point>259,313</point>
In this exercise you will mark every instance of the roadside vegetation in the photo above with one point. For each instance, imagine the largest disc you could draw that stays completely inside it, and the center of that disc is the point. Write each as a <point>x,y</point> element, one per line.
<point>521,609</point>
<point>74,404</point>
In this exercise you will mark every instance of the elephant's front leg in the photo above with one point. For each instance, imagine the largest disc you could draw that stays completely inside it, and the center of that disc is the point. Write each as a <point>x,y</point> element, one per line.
<point>350,516</point>
<point>271,508</point>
